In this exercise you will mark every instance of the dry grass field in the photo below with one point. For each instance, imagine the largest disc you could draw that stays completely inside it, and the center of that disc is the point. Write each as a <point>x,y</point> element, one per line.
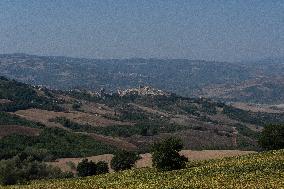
<point>113,141</point>
<point>146,160</point>
<point>44,116</point>
<point>6,130</point>
<point>253,171</point>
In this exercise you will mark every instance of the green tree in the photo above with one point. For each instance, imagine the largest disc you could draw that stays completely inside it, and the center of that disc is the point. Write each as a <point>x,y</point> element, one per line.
<point>272,137</point>
<point>86,168</point>
<point>123,160</point>
<point>165,155</point>
<point>102,167</point>
<point>22,168</point>
<point>8,172</point>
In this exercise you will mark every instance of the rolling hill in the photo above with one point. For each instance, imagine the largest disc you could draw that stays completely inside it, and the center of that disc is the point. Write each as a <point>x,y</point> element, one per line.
<point>254,82</point>
<point>263,170</point>
<point>84,123</point>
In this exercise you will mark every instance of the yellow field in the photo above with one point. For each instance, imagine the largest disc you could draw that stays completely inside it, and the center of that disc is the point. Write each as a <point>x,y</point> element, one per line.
<point>263,170</point>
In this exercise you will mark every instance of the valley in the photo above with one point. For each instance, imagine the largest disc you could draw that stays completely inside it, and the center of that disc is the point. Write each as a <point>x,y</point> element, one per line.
<point>130,120</point>
<point>258,82</point>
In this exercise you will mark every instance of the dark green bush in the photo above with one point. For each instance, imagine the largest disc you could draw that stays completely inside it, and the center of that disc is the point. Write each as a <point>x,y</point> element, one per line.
<point>76,106</point>
<point>102,167</point>
<point>89,168</point>
<point>124,160</point>
<point>20,170</point>
<point>166,155</point>
<point>272,137</point>
<point>86,168</point>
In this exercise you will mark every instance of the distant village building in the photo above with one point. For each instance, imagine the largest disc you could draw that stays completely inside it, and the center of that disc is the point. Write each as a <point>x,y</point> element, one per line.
<point>102,93</point>
<point>143,90</point>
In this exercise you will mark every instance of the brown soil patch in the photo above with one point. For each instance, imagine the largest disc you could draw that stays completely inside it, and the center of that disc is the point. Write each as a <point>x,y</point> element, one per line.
<point>63,162</point>
<point>42,116</point>
<point>117,142</point>
<point>45,116</point>
<point>146,159</point>
<point>192,121</point>
<point>192,139</point>
<point>6,130</point>
<point>96,108</point>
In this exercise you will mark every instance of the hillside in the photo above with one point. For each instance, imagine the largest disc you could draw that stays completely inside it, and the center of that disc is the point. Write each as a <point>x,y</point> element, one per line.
<point>85,123</point>
<point>146,159</point>
<point>263,170</point>
<point>253,82</point>
<point>267,90</point>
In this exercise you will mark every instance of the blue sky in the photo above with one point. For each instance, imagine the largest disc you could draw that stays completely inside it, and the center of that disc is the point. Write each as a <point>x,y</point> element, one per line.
<point>223,30</point>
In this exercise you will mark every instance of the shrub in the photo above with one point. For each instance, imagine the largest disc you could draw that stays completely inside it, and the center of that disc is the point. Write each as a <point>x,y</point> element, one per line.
<point>166,155</point>
<point>76,106</point>
<point>123,160</point>
<point>272,137</point>
<point>102,167</point>
<point>8,173</point>
<point>21,169</point>
<point>86,168</point>
<point>89,168</point>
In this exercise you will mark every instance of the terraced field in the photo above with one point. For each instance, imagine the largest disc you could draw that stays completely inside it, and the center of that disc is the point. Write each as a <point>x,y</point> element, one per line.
<point>263,170</point>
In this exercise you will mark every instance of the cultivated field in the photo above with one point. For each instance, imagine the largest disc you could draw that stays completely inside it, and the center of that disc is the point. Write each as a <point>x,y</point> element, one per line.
<point>254,171</point>
<point>6,130</point>
<point>44,116</point>
<point>146,160</point>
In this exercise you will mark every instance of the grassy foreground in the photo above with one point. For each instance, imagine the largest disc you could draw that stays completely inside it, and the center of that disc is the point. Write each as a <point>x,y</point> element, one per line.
<point>263,170</point>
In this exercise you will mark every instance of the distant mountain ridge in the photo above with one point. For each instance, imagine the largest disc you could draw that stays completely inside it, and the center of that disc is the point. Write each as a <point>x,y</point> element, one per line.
<point>192,78</point>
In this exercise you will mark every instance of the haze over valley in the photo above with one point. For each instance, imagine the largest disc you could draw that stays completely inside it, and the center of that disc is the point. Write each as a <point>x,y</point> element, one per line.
<point>125,94</point>
<point>259,82</point>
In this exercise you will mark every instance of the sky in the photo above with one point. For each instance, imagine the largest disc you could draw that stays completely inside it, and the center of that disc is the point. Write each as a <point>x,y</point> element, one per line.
<point>220,30</point>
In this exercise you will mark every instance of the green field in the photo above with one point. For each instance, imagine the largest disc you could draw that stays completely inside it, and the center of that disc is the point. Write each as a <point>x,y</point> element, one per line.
<point>263,170</point>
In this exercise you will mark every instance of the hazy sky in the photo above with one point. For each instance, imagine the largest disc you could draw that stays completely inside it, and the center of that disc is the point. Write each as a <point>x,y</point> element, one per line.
<point>224,30</point>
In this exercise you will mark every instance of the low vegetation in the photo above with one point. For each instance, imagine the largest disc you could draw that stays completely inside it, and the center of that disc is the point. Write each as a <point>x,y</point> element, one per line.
<point>56,142</point>
<point>166,155</point>
<point>23,168</point>
<point>272,137</point>
<point>262,170</point>
<point>123,160</point>
<point>90,168</point>
<point>23,96</point>
<point>147,119</point>
<point>257,118</point>
<point>9,119</point>
<point>144,128</point>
